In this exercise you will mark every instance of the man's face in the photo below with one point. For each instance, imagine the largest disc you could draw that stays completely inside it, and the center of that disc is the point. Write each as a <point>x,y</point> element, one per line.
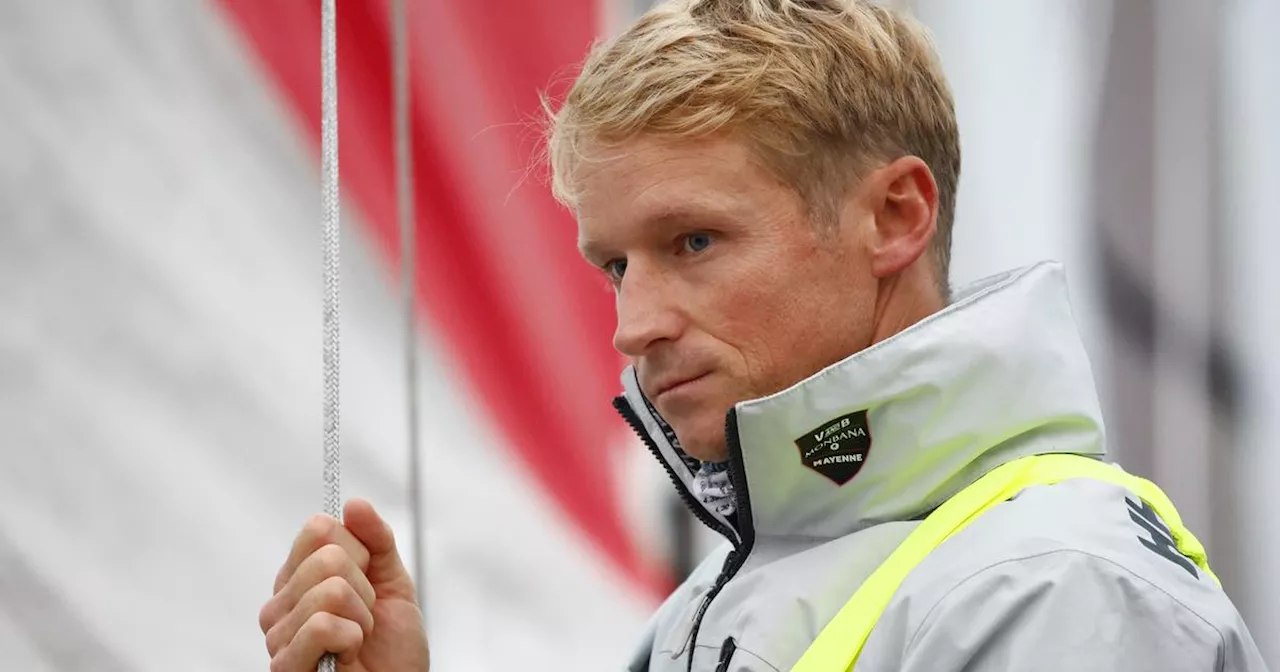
<point>725,290</point>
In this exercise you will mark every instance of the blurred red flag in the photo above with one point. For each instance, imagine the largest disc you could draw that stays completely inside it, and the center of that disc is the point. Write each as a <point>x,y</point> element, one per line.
<point>527,322</point>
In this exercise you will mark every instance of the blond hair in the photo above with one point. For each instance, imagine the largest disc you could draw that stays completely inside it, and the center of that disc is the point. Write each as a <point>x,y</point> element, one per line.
<point>818,88</point>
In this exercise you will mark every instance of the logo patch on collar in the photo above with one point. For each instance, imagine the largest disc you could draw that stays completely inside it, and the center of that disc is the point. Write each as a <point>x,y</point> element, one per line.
<point>837,449</point>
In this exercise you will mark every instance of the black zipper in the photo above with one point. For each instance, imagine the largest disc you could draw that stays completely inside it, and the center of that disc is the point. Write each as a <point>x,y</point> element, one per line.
<point>637,425</point>
<point>726,654</point>
<point>738,557</point>
<point>742,542</point>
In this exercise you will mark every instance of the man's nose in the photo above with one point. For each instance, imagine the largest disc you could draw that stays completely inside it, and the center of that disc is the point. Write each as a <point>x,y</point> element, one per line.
<point>647,313</point>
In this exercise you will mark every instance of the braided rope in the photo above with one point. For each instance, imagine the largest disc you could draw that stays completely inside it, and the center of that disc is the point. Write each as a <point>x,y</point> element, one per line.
<point>329,203</point>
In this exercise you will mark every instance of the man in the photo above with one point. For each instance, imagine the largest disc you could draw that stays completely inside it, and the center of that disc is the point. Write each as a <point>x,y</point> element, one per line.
<point>770,185</point>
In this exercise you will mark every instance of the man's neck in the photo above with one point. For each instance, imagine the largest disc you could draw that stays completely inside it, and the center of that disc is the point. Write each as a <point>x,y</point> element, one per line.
<point>903,300</point>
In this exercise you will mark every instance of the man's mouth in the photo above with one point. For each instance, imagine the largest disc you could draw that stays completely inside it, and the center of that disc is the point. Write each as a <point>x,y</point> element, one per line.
<point>667,388</point>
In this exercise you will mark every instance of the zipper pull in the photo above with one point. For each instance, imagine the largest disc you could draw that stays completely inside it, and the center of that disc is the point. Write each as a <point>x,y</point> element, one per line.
<point>726,654</point>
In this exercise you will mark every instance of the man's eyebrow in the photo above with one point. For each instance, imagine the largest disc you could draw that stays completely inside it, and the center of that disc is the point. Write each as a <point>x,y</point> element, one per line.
<point>684,215</point>
<point>593,251</point>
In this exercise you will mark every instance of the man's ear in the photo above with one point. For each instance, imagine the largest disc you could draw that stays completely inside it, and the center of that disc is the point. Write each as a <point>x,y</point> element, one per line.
<point>902,198</point>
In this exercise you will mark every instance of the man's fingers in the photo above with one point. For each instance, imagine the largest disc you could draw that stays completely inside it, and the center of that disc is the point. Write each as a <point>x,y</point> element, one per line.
<point>319,531</point>
<point>330,562</point>
<point>322,633</point>
<point>377,537</point>
<point>332,596</point>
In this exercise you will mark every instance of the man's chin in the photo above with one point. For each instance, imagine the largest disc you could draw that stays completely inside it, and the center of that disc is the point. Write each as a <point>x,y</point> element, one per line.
<point>702,435</point>
<point>706,451</point>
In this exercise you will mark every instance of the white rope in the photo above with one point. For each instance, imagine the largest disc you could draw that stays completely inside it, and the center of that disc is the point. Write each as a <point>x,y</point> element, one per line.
<point>329,203</point>
<point>408,283</point>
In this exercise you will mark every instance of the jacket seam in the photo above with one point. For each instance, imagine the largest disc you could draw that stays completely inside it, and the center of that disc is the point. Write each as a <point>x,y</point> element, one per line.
<point>824,539</point>
<point>753,654</point>
<point>925,621</point>
<point>803,537</point>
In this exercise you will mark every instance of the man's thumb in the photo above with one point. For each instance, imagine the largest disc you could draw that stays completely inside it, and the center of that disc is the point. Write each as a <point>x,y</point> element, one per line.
<point>365,524</point>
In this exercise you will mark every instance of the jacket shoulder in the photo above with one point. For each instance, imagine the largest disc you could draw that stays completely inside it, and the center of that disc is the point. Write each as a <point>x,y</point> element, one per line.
<point>1079,518</point>
<point>1081,563</point>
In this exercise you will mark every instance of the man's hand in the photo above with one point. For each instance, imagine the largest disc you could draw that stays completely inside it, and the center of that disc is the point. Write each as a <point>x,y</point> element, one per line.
<point>345,591</point>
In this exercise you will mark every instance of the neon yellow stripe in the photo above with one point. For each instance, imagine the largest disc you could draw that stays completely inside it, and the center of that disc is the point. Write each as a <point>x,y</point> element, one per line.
<point>838,645</point>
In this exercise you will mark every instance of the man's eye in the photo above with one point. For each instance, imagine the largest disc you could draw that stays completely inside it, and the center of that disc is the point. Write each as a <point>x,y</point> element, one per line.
<point>615,269</point>
<point>697,242</point>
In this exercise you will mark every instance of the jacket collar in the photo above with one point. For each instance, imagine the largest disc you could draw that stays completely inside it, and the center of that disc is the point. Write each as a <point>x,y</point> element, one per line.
<point>999,374</point>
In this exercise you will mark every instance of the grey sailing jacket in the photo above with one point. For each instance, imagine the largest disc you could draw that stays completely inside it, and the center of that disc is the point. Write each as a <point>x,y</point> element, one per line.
<point>831,474</point>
